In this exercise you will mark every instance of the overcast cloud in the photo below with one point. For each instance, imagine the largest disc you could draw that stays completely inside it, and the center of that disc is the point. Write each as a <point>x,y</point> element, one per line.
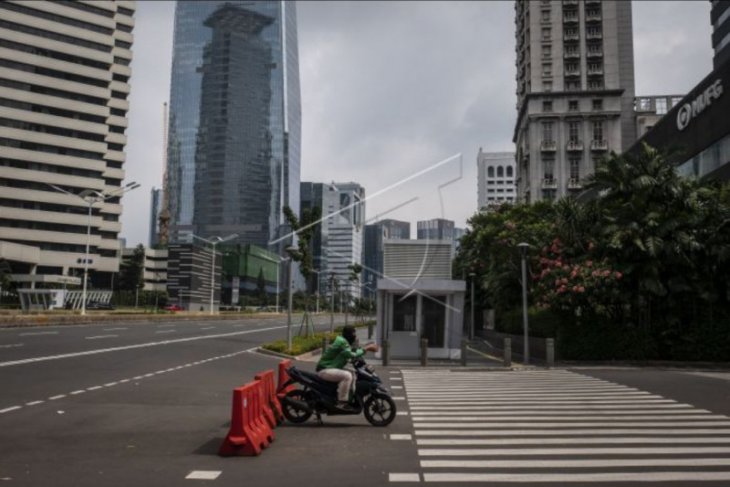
<point>390,88</point>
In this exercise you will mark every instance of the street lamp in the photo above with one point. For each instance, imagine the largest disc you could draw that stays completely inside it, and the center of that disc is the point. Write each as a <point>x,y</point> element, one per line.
<point>471,324</point>
<point>332,304</point>
<point>91,197</point>
<point>525,325</point>
<point>292,251</point>
<point>213,241</point>
<point>317,291</point>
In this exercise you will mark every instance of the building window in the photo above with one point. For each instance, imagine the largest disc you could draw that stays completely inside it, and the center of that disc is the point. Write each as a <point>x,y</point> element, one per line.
<point>574,132</point>
<point>547,86</point>
<point>546,51</point>
<point>547,131</point>
<point>490,171</point>
<point>547,69</point>
<point>500,172</point>
<point>595,84</point>
<point>547,106</point>
<point>546,33</point>
<point>677,99</point>
<point>509,173</point>
<point>575,168</point>
<point>661,106</point>
<point>548,194</point>
<point>548,169</point>
<point>598,104</point>
<point>546,15</point>
<point>572,105</point>
<point>598,130</point>
<point>572,85</point>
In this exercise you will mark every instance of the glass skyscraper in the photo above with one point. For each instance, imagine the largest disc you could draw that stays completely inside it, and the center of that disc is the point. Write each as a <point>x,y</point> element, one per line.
<point>235,120</point>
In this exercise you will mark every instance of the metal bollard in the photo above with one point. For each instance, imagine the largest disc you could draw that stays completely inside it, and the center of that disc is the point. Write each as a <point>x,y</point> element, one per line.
<point>424,352</point>
<point>386,353</point>
<point>507,349</point>
<point>370,329</point>
<point>550,352</point>
<point>463,352</point>
<point>325,344</point>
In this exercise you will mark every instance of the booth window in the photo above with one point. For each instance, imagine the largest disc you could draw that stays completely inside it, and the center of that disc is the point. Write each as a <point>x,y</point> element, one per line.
<point>404,313</point>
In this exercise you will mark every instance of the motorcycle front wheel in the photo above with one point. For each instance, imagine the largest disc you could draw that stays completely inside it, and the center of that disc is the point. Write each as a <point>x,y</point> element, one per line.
<point>379,410</point>
<point>292,413</point>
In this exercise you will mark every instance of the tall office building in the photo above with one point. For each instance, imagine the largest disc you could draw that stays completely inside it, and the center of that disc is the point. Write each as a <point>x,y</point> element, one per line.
<point>372,250</point>
<point>435,229</point>
<point>64,83</point>
<point>720,17</point>
<point>235,118</point>
<point>337,241</point>
<point>495,178</point>
<point>575,91</point>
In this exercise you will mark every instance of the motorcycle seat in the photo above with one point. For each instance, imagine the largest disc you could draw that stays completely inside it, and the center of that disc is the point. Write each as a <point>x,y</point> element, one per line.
<point>317,379</point>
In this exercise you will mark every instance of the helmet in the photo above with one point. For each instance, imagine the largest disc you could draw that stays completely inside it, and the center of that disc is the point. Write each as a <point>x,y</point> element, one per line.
<point>349,333</point>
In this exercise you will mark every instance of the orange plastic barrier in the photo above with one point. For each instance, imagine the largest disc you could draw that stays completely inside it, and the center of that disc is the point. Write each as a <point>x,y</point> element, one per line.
<point>249,432</point>
<point>283,378</point>
<point>272,407</point>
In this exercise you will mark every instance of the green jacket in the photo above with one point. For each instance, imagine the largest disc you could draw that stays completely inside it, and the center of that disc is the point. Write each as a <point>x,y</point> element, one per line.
<point>338,354</point>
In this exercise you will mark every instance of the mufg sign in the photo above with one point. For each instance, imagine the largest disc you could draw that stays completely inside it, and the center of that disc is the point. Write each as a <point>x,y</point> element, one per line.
<point>690,110</point>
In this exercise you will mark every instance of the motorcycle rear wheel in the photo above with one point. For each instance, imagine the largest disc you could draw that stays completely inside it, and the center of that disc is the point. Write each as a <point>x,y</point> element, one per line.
<point>292,413</point>
<point>379,410</point>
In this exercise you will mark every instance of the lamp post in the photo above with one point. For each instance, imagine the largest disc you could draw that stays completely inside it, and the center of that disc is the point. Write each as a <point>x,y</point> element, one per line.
<point>525,325</point>
<point>213,241</point>
<point>332,303</point>
<point>292,251</point>
<point>91,197</point>
<point>472,276</point>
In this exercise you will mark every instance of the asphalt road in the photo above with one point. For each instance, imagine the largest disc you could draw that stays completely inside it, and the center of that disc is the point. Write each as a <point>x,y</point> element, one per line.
<point>149,404</point>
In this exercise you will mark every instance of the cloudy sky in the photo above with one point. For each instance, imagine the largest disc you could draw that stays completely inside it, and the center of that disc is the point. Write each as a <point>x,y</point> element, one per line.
<point>390,89</point>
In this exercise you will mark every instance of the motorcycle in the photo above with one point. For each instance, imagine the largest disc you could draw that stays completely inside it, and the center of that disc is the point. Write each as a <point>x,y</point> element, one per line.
<point>318,396</point>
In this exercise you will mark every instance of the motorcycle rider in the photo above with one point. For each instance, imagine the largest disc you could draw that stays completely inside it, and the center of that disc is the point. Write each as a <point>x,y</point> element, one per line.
<point>331,366</point>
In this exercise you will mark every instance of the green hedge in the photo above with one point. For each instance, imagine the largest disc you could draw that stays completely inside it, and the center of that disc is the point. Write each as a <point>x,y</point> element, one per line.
<point>300,345</point>
<point>543,323</point>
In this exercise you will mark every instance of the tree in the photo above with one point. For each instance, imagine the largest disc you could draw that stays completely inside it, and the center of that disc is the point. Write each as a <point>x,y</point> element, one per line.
<point>304,229</point>
<point>131,272</point>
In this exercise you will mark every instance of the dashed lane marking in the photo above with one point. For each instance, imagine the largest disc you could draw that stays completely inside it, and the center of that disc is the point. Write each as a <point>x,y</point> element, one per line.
<point>12,345</point>
<point>165,331</point>
<point>37,333</point>
<point>401,437</point>
<point>404,477</point>
<point>97,337</point>
<point>121,381</point>
<point>203,475</point>
<point>116,328</point>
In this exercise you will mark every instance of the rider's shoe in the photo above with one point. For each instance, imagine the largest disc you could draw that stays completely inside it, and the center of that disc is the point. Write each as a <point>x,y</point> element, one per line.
<point>345,407</point>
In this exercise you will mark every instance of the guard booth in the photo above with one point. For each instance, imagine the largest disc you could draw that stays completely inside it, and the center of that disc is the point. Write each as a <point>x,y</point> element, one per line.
<point>408,311</point>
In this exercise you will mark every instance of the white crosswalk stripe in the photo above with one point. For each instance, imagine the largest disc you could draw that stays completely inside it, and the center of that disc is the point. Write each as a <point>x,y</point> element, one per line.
<point>557,427</point>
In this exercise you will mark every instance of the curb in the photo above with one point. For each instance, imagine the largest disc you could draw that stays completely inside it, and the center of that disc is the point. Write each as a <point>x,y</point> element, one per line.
<point>305,357</point>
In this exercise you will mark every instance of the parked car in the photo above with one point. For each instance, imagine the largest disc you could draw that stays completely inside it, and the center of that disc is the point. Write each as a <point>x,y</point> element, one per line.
<point>99,305</point>
<point>174,307</point>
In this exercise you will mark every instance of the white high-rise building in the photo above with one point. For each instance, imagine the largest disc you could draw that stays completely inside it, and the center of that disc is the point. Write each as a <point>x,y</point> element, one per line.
<point>64,84</point>
<point>495,178</point>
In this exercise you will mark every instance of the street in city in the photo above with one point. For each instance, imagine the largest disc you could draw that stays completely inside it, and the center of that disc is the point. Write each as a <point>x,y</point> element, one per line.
<point>149,404</point>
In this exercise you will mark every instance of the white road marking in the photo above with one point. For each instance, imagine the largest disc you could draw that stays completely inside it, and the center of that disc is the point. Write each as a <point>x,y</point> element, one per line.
<point>34,403</point>
<point>166,325</point>
<point>124,381</point>
<point>11,408</point>
<point>692,440</point>
<point>397,378</point>
<point>60,396</point>
<point>207,327</point>
<point>401,437</point>
<point>404,477</point>
<point>138,377</point>
<point>80,391</point>
<point>96,337</point>
<point>203,475</point>
<point>689,476</point>
<point>396,387</point>
<point>537,408</point>
<point>93,388</point>
<point>579,415</point>
<point>398,398</point>
<point>116,328</point>
<point>537,401</point>
<point>633,451</point>
<point>110,384</point>
<point>37,333</point>
<point>591,463</point>
<point>402,413</point>
<point>576,432</point>
<point>12,345</point>
<point>599,425</point>
<point>131,347</point>
<point>165,331</point>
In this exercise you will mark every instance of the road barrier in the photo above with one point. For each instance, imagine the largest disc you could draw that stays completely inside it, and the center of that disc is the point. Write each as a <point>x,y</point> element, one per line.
<point>272,407</point>
<point>249,433</point>
<point>281,389</point>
